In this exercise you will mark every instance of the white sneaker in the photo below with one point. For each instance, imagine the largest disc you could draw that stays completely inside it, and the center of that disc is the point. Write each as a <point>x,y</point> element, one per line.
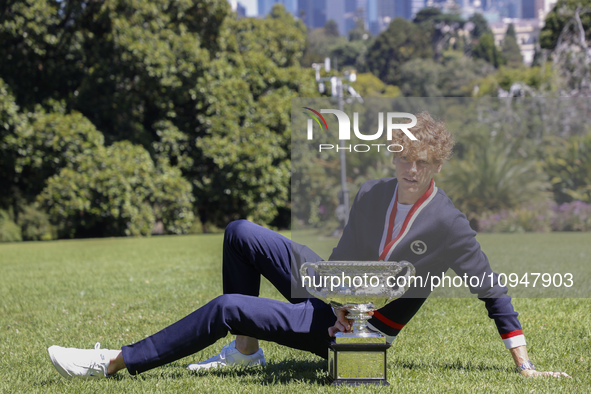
<point>82,363</point>
<point>230,356</point>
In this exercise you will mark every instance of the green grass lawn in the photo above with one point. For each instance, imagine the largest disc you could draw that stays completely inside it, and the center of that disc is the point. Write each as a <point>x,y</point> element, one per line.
<point>118,291</point>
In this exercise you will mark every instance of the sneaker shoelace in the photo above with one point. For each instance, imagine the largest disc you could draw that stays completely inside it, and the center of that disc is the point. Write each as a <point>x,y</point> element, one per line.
<point>96,366</point>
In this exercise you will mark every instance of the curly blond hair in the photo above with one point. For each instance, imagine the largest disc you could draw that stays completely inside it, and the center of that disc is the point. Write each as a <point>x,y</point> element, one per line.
<point>432,136</point>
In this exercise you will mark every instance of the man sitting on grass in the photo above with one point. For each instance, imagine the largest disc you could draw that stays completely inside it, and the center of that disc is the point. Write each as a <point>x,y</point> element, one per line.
<point>392,219</point>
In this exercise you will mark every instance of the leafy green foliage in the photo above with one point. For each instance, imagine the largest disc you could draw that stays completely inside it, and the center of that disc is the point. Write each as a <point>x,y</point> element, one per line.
<point>49,142</point>
<point>319,45</point>
<point>368,85</point>
<point>242,162</point>
<point>35,225</point>
<point>559,17</point>
<point>486,50</point>
<point>39,47</point>
<point>510,49</point>
<point>204,94</point>
<point>331,29</point>
<point>400,43</point>
<point>480,25</point>
<point>428,14</point>
<point>10,122</point>
<point>144,58</point>
<point>451,78</point>
<point>9,230</point>
<point>349,54</point>
<point>491,175</point>
<point>568,164</point>
<point>537,78</point>
<point>117,191</point>
<point>344,53</point>
<point>9,115</point>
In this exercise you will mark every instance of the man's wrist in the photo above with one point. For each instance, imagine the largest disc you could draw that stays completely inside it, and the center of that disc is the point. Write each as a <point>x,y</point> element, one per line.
<point>528,365</point>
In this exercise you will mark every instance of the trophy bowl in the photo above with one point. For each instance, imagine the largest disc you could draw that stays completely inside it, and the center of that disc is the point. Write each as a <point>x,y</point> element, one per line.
<point>360,287</point>
<point>357,286</point>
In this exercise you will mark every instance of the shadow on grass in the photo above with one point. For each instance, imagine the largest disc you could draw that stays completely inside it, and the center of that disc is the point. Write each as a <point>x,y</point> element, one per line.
<point>457,365</point>
<point>282,372</point>
<point>278,373</point>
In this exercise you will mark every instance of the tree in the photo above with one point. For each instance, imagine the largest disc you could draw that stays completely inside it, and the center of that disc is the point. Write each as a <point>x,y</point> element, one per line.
<point>40,46</point>
<point>492,176</point>
<point>427,14</point>
<point>459,73</point>
<point>510,50</point>
<point>368,85</point>
<point>401,42</point>
<point>11,122</point>
<point>48,143</point>
<point>443,28</point>
<point>344,52</point>
<point>567,35</point>
<point>420,78</point>
<point>561,17</point>
<point>486,50</point>
<point>348,54</point>
<point>480,25</point>
<point>537,79</point>
<point>117,190</point>
<point>569,166</point>
<point>180,78</point>
<point>242,160</point>
<point>331,29</point>
<point>145,61</point>
<point>359,32</point>
<point>319,45</point>
<point>452,78</point>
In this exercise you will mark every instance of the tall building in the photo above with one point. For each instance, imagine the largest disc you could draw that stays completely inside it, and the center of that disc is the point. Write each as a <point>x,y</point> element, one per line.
<point>514,8</point>
<point>415,6</point>
<point>532,9</point>
<point>352,12</point>
<point>344,13</point>
<point>335,10</point>
<point>386,13</point>
<point>265,6</point>
<point>238,8</point>
<point>373,24</point>
<point>403,9</point>
<point>312,13</point>
<point>546,7</point>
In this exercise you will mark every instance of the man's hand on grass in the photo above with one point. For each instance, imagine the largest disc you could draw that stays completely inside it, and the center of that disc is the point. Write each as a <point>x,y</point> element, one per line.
<point>521,357</point>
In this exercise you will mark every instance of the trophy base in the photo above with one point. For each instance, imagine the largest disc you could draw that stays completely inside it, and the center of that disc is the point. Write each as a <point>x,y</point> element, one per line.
<point>359,382</point>
<point>354,364</point>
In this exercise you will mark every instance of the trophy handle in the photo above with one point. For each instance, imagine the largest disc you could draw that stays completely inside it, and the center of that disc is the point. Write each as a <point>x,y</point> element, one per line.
<point>410,272</point>
<point>312,290</point>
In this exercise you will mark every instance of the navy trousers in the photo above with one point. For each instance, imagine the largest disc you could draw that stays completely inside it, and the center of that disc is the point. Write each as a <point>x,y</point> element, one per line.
<point>249,251</point>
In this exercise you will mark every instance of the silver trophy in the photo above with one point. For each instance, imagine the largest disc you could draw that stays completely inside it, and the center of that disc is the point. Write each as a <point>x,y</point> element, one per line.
<point>359,356</point>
